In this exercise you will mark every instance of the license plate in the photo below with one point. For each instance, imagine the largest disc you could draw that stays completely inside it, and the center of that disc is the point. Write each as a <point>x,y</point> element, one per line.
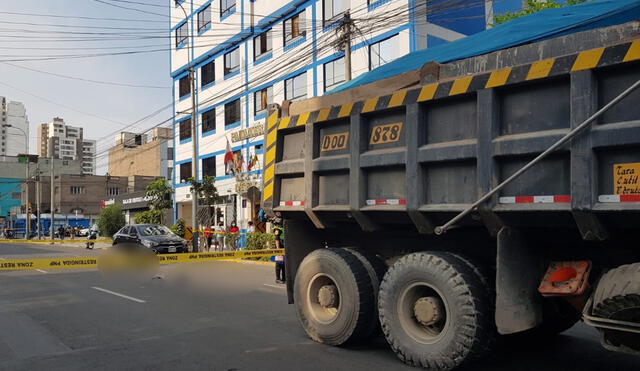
<point>172,249</point>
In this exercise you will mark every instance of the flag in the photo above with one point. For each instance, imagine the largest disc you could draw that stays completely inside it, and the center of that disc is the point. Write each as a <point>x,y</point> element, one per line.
<point>252,162</point>
<point>238,160</point>
<point>228,159</point>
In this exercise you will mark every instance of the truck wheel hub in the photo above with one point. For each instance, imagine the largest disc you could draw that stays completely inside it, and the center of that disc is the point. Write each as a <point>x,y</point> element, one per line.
<point>428,310</point>
<point>328,296</point>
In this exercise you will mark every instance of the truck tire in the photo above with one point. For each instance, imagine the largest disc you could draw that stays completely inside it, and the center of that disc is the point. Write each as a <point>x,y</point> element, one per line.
<point>617,296</point>
<point>376,270</point>
<point>434,311</point>
<point>334,297</point>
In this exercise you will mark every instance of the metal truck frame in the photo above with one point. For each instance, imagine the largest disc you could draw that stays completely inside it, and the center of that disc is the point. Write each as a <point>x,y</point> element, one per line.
<point>381,190</point>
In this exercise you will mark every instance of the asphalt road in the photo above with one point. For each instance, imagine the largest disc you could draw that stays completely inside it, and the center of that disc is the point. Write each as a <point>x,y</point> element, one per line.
<point>218,316</point>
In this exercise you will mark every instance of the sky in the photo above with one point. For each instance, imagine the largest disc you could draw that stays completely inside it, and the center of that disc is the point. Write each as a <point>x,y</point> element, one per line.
<point>102,110</point>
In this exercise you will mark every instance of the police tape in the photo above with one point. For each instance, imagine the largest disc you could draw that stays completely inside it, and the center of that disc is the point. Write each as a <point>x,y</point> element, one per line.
<point>94,261</point>
<point>47,241</point>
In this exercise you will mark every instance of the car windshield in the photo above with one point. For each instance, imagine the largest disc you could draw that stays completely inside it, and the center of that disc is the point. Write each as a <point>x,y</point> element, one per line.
<point>153,230</point>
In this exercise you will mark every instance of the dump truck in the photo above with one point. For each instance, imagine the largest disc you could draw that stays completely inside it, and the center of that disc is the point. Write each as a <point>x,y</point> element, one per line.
<point>462,202</point>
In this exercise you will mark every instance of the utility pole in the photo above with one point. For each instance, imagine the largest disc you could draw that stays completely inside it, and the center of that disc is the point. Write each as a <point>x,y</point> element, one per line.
<point>52,202</point>
<point>347,45</point>
<point>39,232</point>
<point>27,215</point>
<point>194,160</point>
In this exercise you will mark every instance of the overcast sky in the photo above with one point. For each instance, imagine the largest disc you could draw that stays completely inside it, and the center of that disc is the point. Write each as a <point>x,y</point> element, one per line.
<point>100,109</point>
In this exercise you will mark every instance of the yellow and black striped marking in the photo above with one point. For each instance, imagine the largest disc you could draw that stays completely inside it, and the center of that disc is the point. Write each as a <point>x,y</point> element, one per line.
<point>584,60</point>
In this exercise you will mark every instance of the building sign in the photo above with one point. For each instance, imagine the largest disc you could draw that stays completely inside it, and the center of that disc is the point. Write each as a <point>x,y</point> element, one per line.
<point>247,133</point>
<point>626,179</point>
<point>243,186</point>
<point>136,200</point>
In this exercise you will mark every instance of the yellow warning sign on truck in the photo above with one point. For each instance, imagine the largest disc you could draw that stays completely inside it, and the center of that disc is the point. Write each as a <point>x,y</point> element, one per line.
<point>626,179</point>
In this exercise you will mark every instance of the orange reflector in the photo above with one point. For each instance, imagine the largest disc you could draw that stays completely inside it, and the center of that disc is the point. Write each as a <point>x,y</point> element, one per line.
<point>565,278</point>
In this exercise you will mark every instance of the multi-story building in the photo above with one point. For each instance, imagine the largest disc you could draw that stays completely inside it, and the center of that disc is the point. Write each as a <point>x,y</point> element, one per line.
<point>14,128</point>
<point>13,171</point>
<point>149,154</point>
<point>249,54</point>
<point>58,140</point>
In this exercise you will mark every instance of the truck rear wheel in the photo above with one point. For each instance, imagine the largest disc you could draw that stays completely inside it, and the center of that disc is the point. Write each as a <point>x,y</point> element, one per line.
<point>617,296</point>
<point>434,311</point>
<point>334,297</point>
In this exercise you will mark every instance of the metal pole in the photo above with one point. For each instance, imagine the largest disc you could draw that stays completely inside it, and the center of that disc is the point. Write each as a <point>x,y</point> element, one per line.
<point>39,231</point>
<point>194,159</point>
<point>52,202</point>
<point>443,228</point>
<point>347,46</point>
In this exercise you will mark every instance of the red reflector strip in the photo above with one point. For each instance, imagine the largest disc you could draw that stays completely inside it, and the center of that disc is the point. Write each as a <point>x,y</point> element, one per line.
<point>387,201</point>
<point>535,199</point>
<point>618,198</point>
<point>291,203</point>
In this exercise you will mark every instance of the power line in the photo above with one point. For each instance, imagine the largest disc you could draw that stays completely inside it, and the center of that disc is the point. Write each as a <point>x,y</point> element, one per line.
<point>86,80</point>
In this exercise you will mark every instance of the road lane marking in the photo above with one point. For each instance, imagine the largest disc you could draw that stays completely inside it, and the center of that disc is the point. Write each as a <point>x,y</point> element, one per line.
<point>41,271</point>
<point>118,294</point>
<point>277,287</point>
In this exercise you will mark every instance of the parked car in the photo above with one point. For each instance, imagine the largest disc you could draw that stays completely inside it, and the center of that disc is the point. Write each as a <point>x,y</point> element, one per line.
<point>154,237</point>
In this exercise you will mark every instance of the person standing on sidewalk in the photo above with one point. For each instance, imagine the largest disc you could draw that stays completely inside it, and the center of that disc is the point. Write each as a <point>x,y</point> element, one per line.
<point>208,234</point>
<point>219,232</point>
<point>234,230</point>
<point>278,233</point>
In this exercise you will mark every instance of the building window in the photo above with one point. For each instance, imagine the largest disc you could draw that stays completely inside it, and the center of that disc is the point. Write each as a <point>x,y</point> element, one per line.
<point>209,166</point>
<point>183,87</point>
<point>185,129</point>
<point>232,112</point>
<point>182,34</point>
<point>334,9</point>
<point>204,18</point>
<point>227,7</point>
<point>113,191</point>
<point>208,120</point>
<point>232,62</point>
<point>333,74</point>
<point>208,72</point>
<point>295,88</point>
<point>294,27</point>
<point>76,190</point>
<point>185,171</point>
<point>262,99</point>
<point>383,52</point>
<point>261,44</point>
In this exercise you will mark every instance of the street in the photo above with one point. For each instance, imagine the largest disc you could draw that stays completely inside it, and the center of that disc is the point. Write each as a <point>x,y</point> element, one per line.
<point>223,316</point>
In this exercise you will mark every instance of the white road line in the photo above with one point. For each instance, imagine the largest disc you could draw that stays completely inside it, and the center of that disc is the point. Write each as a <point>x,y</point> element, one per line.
<point>41,271</point>
<point>277,287</point>
<point>118,294</point>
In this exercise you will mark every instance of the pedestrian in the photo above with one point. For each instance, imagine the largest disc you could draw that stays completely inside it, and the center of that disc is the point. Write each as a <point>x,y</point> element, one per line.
<point>61,232</point>
<point>208,234</point>
<point>219,232</point>
<point>250,227</point>
<point>233,229</point>
<point>278,233</point>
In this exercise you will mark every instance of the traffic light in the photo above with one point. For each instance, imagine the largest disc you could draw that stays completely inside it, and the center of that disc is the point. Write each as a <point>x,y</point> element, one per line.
<point>30,210</point>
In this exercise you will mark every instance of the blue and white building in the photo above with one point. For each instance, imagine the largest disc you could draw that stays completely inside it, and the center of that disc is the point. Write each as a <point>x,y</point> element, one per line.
<point>250,53</point>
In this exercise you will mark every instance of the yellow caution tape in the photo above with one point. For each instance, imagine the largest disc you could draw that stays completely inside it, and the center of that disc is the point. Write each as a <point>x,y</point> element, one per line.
<point>47,241</point>
<point>92,261</point>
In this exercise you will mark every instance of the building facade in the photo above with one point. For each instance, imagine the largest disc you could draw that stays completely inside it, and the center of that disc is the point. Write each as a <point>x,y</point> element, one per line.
<point>13,139</point>
<point>249,54</point>
<point>148,154</point>
<point>13,171</point>
<point>59,140</point>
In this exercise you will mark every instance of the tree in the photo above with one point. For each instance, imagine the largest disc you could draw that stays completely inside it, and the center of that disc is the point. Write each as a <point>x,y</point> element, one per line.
<point>207,194</point>
<point>160,194</point>
<point>533,6</point>
<point>149,217</point>
<point>179,228</point>
<point>111,220</point>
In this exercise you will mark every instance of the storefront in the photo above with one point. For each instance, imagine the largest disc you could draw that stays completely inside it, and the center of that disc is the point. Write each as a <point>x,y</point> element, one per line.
<point>133,204</point>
